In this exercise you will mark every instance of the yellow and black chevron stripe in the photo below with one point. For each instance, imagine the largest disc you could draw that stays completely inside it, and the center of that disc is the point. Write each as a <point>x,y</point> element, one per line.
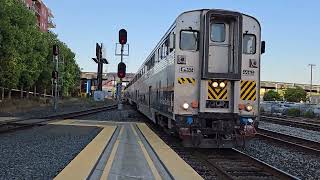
<point>182,80</point>
<point>248,90</point>
<point>217,93</point>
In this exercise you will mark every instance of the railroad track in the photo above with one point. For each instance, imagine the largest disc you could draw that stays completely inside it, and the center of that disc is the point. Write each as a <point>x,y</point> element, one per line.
<point>187,154</point>
<point>296,142</point>
<point>291,122</point>
<point>27,123</point>
<point>222,163</point>
<point>233,164</point>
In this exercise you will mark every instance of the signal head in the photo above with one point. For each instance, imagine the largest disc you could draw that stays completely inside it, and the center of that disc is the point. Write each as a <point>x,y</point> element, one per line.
<point>55,50</point>
<point>122,36</point>
<point>121,70</point>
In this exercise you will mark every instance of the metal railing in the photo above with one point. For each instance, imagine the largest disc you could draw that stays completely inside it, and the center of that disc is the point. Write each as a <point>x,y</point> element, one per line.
<point>4,93</point>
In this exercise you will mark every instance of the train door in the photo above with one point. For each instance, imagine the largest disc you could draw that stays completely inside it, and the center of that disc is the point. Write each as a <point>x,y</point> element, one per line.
<point>150,95</point>
<point>219,46</point>
<point>222,61</point>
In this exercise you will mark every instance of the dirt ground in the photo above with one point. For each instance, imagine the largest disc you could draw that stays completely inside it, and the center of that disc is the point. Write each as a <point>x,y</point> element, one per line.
<point>38,107</point>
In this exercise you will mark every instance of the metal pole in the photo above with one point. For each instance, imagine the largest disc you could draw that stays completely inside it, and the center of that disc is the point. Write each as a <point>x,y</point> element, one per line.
<point>2,94</point>
<point>99,76</point>
<point>114,86</point>
<point>55,81</point>
<point>311,67</point>
<point>120,105</point>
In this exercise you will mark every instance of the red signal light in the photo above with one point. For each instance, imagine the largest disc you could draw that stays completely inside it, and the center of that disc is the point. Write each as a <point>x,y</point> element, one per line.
<point>122,36</point>
<point>121,70</point>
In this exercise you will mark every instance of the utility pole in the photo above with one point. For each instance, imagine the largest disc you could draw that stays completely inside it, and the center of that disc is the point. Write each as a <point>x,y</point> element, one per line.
<point>311,67</point>
<point>55,75</point>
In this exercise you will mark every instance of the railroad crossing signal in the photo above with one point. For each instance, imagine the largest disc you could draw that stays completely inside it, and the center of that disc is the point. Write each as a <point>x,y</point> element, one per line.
<point>121,70</point>
<point>122,36</point>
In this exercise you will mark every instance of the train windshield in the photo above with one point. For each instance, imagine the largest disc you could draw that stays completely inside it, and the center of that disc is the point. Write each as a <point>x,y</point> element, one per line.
<point>249,44</point>
<point>189,40</point>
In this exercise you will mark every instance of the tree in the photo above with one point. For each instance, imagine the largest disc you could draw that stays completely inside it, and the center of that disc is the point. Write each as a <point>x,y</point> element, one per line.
<point>26,52</point>
<point>295,94</point>
<point>272,96</point>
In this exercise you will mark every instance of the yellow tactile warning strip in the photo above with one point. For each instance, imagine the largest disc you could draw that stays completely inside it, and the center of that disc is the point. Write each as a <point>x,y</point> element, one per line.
<point>217,93</point>
<point>177,167</point>
<point>248,90</point>
<point>146,155</point>
<point>183,80</point>
<point>81,166</point>
<point>108,166</point>
<point>63,122</point>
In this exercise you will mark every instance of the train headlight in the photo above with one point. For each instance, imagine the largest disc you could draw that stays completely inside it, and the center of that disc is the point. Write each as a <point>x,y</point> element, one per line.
<point>215,84</point>
<point>185,106</point>
<point>222,84</point>
<point>249,108</point>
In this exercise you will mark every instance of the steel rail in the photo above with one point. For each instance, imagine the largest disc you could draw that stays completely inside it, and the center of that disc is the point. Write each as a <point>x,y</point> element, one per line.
<point>14,125</point>
<point>293,123</point>
<point>234,164</point>
<point>297,142</point>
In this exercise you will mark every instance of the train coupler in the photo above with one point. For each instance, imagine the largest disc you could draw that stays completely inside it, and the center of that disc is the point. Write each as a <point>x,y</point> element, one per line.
<point>247,128</point>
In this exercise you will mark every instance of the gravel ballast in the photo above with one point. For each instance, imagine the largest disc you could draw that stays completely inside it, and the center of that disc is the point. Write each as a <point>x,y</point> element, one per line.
<point>295,162</point>
<point>128,114</point>
<point>41,152</point>
<point>292,131</point>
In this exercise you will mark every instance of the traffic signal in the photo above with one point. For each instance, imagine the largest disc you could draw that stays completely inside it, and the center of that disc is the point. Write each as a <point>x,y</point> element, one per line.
<point>54,75</point>
<point>55,50</point>
<point>121,70</point>
<point>122,36</point>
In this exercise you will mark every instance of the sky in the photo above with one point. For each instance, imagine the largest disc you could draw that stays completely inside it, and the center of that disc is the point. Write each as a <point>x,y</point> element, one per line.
<point>291,29</point>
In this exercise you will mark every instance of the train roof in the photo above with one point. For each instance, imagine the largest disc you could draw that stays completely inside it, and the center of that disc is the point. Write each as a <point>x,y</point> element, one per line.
<point>173,25</point>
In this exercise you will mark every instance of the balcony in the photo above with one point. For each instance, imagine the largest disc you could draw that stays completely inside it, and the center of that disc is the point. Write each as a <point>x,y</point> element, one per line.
<point>51,24</point>
<point>50,13</point>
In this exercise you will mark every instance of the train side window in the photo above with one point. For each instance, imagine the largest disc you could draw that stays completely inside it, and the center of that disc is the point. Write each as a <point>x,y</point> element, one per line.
<point>218,32</point>
<point>189,40</point>
<point>159,55</point>
<point>249,44</point>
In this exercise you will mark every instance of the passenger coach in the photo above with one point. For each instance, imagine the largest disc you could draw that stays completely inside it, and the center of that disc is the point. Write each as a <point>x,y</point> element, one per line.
<point>202,79</point>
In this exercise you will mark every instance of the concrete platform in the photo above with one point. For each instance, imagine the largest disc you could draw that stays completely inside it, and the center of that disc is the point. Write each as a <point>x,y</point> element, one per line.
<point>125,151</point>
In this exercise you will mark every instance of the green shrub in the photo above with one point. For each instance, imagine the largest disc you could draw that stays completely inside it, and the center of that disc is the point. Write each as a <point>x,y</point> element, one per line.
<point>293,112</point>
<point>309,114</point>
<point>272,96</point>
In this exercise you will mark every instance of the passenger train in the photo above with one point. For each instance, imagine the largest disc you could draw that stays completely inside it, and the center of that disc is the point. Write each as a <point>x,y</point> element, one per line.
<point>202,80</point>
